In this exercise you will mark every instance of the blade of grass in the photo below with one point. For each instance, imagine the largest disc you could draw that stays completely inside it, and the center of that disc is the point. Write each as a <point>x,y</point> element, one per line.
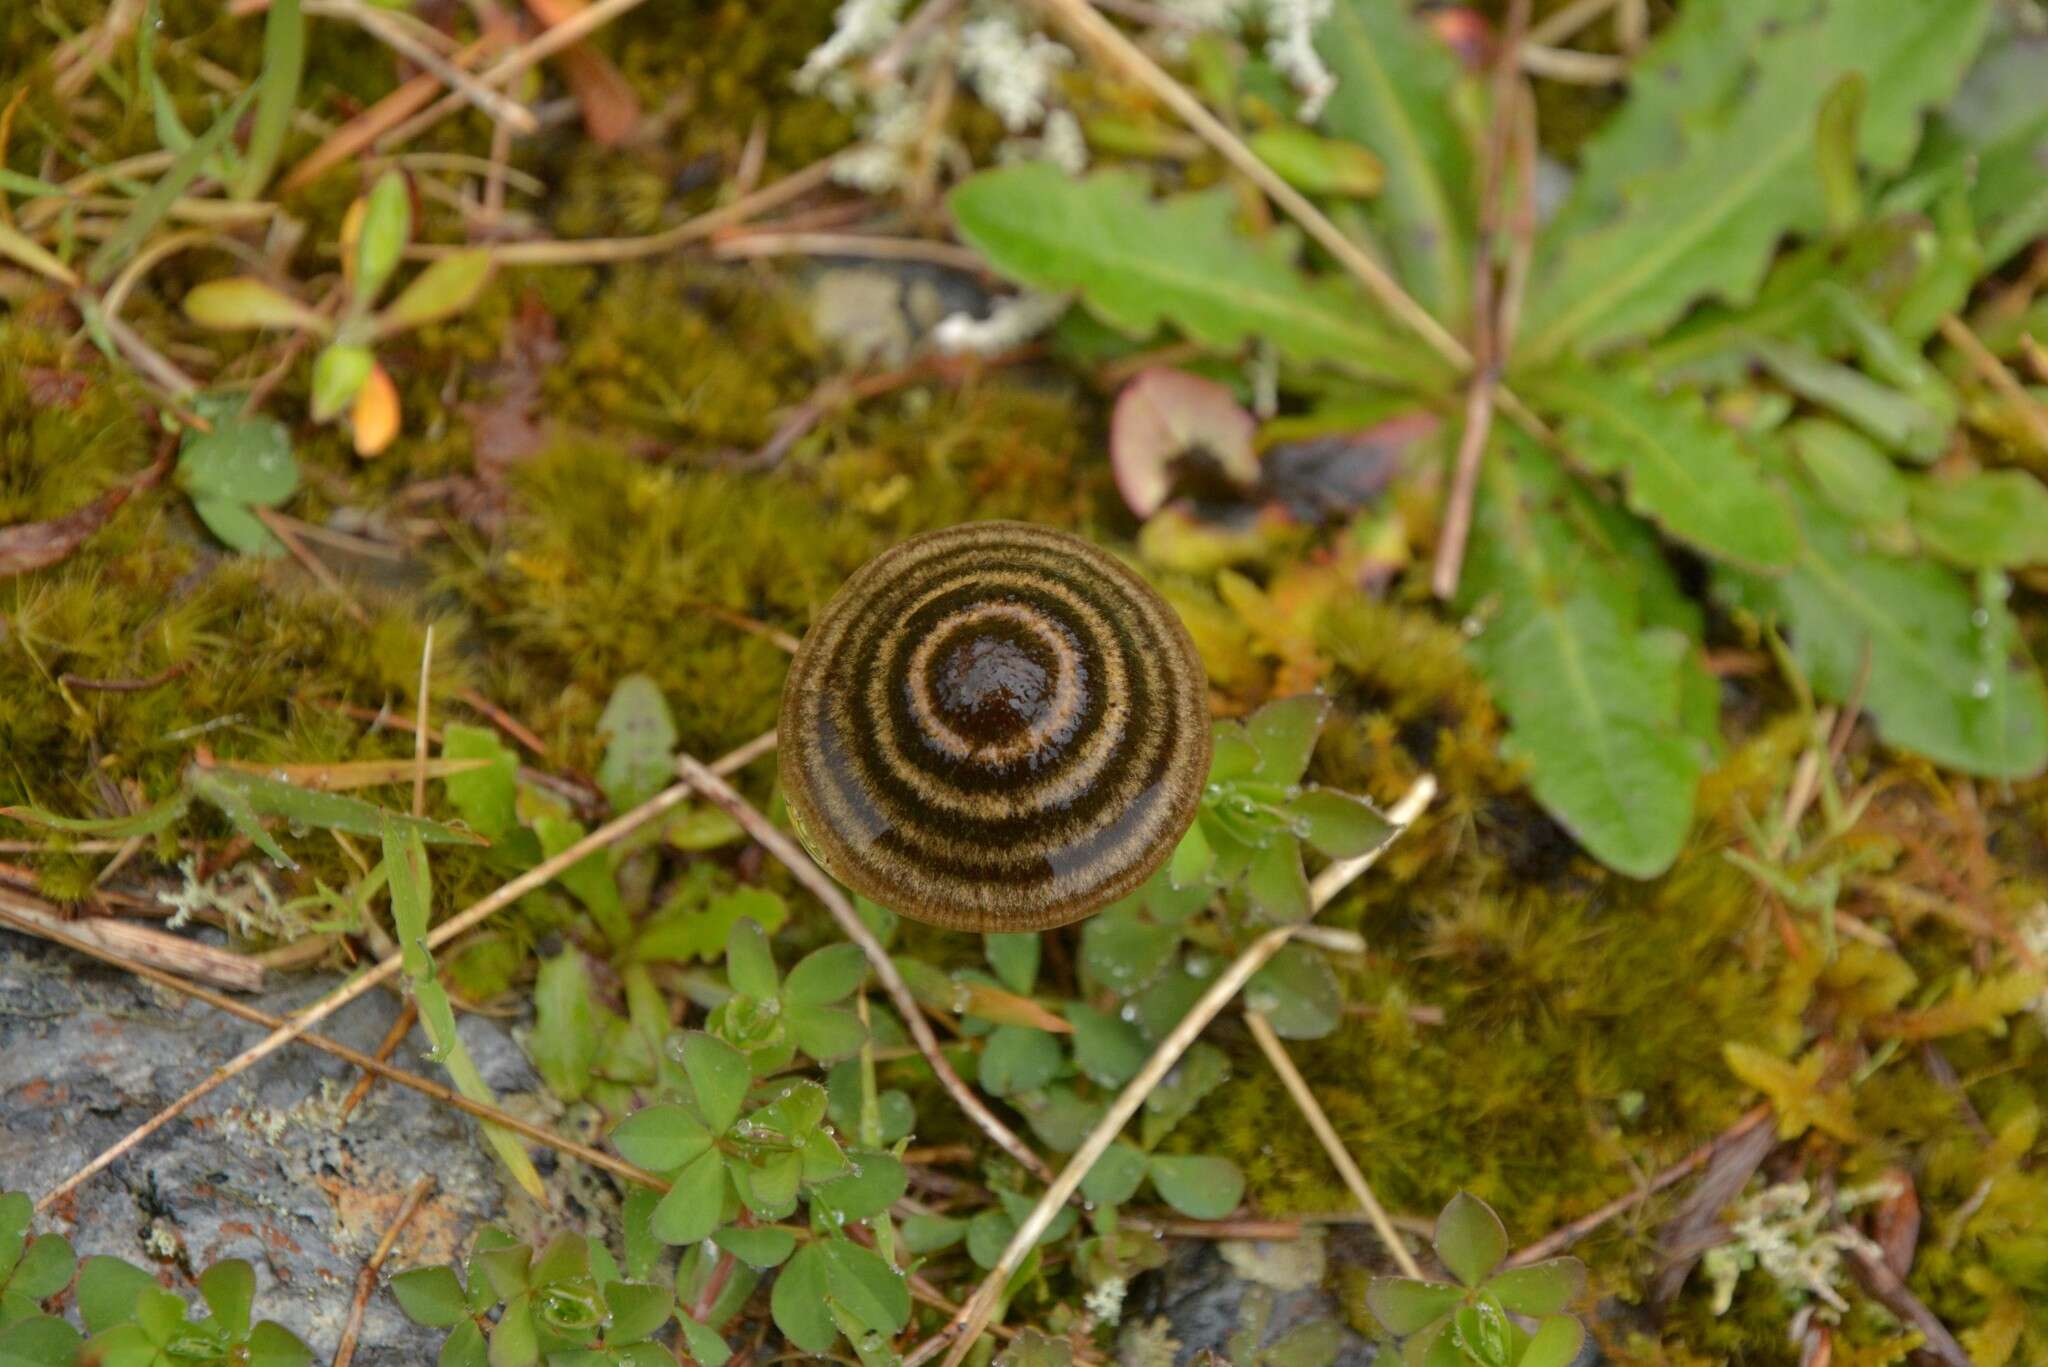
<point>277,92</point>
<point>24,250</point>
<point>150,210</point>
<point>405,860</point>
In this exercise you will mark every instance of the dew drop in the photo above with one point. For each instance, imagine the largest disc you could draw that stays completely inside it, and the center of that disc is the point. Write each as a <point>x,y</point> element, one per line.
<point>1980,619</point>
<point>1981,688</point>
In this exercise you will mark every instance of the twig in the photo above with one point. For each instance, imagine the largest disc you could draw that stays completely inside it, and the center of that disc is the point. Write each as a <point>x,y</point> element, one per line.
<point>2030,411</point>
<point>508,113</point>
<point>401,1026</point>
<point>366,1280</point>
<point>1868,1263</point>
<point>85,685</point>
<point>867,245</point>
<point>366,127</point>
<point>285,532</point>
<point>1558,1240</point>
<point>145,944</point>
<point>1488,352</point>
<point>538,876</point>
<point>886,66</point>
<point>504,721</point>
<point>64,934</point>
<point>502,71</point>
<point>967,1325</point>
<point>1567,20</point>
<point>1333,1144</point>
<point>785,850</point>
<point>597,250</point>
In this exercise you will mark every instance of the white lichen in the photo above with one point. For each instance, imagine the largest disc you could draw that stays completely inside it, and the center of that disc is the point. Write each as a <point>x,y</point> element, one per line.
<point>1002,58</point>
<point>1010,323</point>
<point>1795,1239</point>
<point>1106,1300</point>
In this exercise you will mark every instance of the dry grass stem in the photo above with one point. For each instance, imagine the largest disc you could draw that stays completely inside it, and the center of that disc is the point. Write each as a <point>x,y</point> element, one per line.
<point>538,876</point>
<point>143,944</point>
<point>366,1280</point>
<point>2026,407</point>
<point>1326,1134</point>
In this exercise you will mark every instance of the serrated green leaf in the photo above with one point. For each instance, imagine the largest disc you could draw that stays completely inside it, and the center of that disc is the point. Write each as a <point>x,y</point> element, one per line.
<point>1682,469</point>
<point>1395,94</point>
<point>1850,472</point>
<point>1706,219</point>
<point>1946,674</point>
<point>1139,264</point>
<point>1200,1186</point>
<point>1898,421</point>
<point>1596,710</point>
<point>1985,520</point>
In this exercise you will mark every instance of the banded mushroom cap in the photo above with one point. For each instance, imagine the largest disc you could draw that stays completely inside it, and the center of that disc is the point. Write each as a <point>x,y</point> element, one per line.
<point>994,727</point>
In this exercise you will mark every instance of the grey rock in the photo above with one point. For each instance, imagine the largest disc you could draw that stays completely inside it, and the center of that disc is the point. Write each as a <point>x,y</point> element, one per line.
<point>259,1169</point>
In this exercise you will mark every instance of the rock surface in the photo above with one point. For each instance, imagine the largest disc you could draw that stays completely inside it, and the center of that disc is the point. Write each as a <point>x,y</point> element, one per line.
<point>260,1169</point>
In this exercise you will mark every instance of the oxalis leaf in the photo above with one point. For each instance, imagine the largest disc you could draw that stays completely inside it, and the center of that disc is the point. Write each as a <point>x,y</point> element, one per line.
<point>1947,678</point>
<point>1596,700</point>
<point>1706,220</point>
<point>1139,263</point>
<point>1683,470</point>
<point>1395,95</point>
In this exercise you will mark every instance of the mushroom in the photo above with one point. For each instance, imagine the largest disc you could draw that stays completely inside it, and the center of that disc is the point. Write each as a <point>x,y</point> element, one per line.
<point>994,727</point>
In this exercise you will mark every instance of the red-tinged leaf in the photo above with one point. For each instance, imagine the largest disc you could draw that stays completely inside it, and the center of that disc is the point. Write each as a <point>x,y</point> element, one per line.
<point>38,545</point>
<point>1166,416</point>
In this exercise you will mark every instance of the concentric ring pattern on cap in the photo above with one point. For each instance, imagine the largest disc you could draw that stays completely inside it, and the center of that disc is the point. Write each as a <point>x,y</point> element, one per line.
<point>994,727</point>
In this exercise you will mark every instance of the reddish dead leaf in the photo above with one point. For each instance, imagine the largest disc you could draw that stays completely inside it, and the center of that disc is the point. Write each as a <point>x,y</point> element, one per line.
<point>49,387</point>
<point>38,545</point>
<point>511,426</point>
<point>1895,1223</point>
<point>1325,477</point>
<point>1166,419</point>
<point>610,109</point>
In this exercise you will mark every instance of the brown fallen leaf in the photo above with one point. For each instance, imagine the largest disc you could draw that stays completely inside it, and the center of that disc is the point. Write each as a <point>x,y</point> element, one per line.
<point>610,109</point>
<point>38,545</point>
<point>1895,1224</point>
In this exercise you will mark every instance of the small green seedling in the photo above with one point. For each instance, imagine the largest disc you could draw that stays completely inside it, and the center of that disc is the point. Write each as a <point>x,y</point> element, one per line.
<point>1471,1322</point>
